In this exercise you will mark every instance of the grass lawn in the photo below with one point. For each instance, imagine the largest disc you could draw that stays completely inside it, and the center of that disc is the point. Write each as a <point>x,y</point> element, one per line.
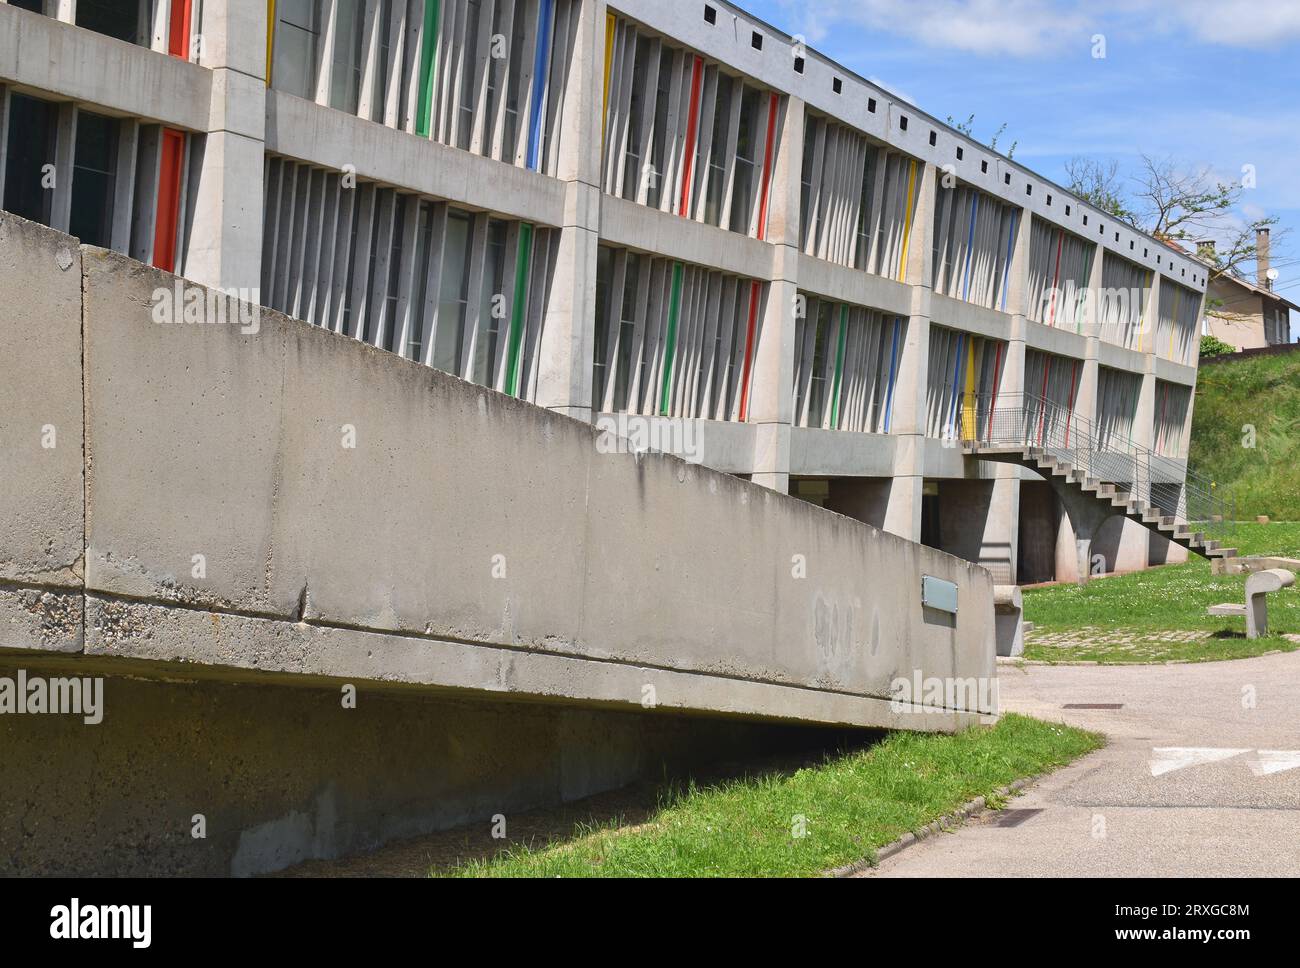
<point>850,806</point>
<point>1262,392</point>
<point>1159,615</point>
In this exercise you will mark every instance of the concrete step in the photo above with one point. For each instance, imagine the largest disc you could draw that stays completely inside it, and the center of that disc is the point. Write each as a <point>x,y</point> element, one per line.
<point>1221,553</point>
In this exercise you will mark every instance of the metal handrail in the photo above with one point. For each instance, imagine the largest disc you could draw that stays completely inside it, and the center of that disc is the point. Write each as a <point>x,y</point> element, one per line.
<point>1029,421</point>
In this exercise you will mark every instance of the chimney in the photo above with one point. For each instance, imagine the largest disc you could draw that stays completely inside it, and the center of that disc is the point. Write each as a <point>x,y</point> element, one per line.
<point>1262,239</point>
<point>1205,249</point>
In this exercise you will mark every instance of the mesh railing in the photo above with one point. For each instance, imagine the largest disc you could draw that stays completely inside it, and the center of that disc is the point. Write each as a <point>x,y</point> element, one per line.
<point>1101,454</point>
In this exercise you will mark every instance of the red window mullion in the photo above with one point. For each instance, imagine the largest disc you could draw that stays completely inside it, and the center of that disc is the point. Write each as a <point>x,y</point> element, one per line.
<point>169,199</point>
<point>178,42</point>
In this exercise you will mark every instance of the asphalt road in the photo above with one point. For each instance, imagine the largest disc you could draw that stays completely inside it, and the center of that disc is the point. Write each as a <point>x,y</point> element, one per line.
<point>1171,795</point>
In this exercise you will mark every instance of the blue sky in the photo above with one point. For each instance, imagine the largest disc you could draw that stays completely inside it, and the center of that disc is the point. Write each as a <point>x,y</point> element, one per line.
<point>1204,82</point>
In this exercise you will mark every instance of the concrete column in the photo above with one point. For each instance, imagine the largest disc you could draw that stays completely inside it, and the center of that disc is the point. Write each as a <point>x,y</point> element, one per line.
<point>225,242</point>
<point>1002,527</point>
<point>568,334</point>
<point>771,407</point>
<point>64,10</point>
<point>903,515</point>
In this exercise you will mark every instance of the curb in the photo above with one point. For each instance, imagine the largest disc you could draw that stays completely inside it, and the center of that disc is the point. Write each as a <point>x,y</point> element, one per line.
<point>962,813</point>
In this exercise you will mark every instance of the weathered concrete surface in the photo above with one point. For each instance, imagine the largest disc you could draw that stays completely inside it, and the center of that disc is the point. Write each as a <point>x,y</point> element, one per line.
<point>214,539</point>
<point>465,515</point>
<point>283,774</point>
<point>42,532</point>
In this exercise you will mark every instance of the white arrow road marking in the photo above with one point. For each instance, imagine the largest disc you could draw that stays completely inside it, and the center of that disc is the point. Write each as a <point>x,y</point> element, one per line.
<point>1166,759</point>
<point>1274,761</point>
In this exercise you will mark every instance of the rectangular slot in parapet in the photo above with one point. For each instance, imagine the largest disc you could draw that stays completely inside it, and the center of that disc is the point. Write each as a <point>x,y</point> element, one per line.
<point>940,594</point>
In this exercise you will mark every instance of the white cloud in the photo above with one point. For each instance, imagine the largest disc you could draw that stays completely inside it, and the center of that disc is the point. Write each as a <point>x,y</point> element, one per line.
<point>1239,23</point>
<point>1019,28</point>
<point>1034,28</point>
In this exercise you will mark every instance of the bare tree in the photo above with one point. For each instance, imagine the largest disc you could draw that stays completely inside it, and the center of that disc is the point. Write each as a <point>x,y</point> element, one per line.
<point>1099,183</point>
<point>1175,203</point>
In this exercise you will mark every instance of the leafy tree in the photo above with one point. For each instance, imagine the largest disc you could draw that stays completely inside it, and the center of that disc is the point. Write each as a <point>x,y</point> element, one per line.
<point>1213,346</point>
<point>967,128</point>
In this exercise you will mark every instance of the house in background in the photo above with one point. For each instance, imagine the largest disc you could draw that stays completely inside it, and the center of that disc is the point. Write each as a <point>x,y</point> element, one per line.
<point>1248,315</point>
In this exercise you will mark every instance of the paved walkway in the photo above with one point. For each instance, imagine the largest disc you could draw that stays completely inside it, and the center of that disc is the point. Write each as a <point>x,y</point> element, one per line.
<point>1225,814</point>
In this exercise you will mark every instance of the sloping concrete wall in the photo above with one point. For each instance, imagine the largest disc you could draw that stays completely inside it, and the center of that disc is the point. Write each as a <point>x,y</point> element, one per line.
<point>273,503</point>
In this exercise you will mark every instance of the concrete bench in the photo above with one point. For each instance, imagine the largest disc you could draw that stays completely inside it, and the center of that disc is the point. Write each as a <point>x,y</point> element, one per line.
<point>1255,610</point>
<point>1008,629</point>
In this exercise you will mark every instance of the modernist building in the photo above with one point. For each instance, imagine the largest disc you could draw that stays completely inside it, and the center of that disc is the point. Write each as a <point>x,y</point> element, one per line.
<point>666,209</point>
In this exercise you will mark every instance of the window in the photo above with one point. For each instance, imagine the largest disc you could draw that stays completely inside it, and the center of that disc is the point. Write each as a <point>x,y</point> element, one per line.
<point>717,162</point>
<point>296,34</point>
<point>113,19</point>
<point>710,15</point>
<point>756,40</point>
<point>798,65</point>
<point>32,127</point>
<point>345,72</point>
<point>93,166</point>
<point>837,85</point>
<point>871,105</point>
<point>746,162</point>
<point>959,152</point>
<point>934,138</point>
<point>984,167</point>
<point>902,122</point>
<point>453,294</point>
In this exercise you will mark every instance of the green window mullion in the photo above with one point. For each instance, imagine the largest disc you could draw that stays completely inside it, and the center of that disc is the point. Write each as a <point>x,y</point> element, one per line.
<point>517,312</point>
<point>428,60</point>
<point>670,349</point>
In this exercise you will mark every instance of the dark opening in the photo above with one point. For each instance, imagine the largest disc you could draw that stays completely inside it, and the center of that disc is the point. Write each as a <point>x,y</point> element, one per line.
<point>756,40</point>
<point>871,105</point>
<point>931,536</point>
<point>93,178</point>
<point>710,15</point>
<point>32,124</point>
<point>934,138</point>
<point>836,85</point>
<point>902,122</point>
<point>959,152</point>
<point>984,167</point>
<point>798,65</point>
<point>33,5</point>
<point>114,18</point>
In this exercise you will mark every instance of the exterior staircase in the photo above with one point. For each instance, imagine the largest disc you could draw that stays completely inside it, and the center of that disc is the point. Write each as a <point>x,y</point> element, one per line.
<point>1101,472</point>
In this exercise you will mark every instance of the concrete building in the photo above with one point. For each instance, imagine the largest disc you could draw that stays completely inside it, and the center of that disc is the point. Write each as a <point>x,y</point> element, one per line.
<point>1248,315</point>
<point>666,210</point>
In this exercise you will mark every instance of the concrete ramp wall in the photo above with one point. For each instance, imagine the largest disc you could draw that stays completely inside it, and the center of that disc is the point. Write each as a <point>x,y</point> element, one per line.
<point>271,503</point>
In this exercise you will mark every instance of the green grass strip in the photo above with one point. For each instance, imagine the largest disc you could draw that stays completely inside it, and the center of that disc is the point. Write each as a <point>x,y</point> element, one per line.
<point>428,60</point>
<point>805,823</point>
<point>517,311</point>
<point>674,302</point>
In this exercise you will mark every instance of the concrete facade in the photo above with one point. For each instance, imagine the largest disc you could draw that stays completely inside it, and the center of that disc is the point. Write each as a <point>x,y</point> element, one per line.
<point>295,155</point>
